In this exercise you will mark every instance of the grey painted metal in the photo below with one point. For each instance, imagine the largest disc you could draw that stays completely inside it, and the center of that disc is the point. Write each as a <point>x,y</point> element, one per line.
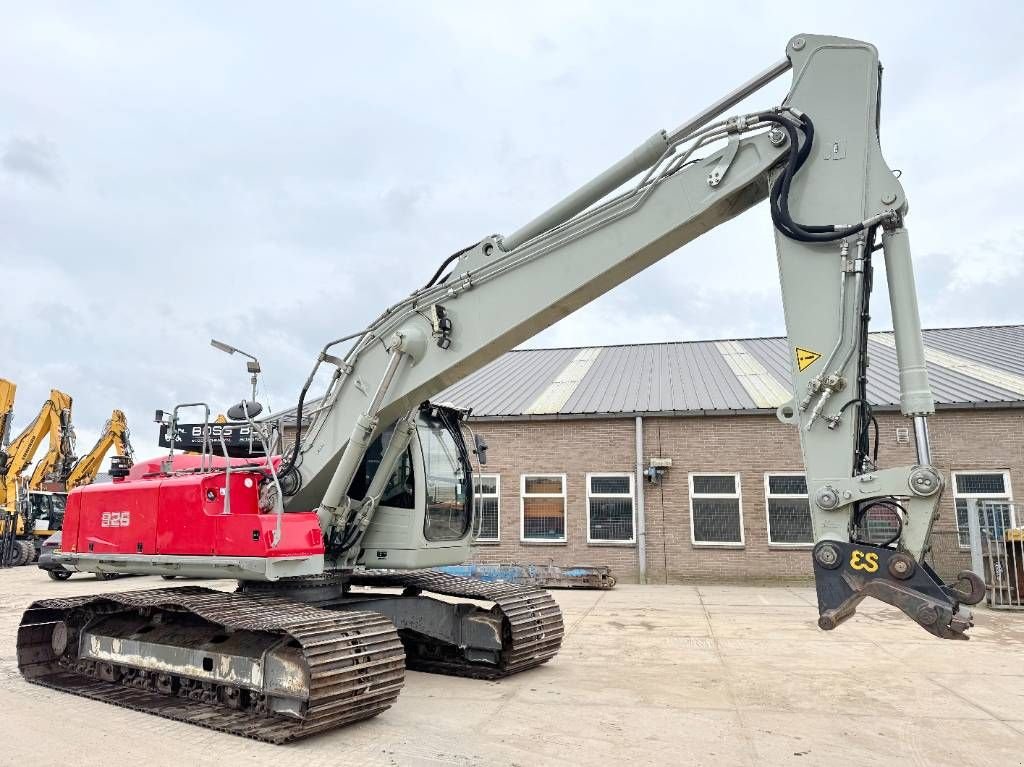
<point>641,509</point>
<point>733,97</point>
<point>836,82</point>
<point>915,394</point>
<point>498,295</point>
<point>974,536</point>
<point>240,568</point>
<point>476,632</point>
<point>497,301</point>
<point>331,503</point>
<point>255,661</point>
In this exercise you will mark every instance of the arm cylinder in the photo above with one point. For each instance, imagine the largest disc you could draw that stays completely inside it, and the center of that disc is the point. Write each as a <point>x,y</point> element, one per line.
<point>915,393</point>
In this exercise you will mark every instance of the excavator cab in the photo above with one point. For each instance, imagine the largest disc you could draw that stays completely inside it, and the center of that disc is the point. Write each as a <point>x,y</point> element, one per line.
<point>424,515</point>
<point>46,512</point>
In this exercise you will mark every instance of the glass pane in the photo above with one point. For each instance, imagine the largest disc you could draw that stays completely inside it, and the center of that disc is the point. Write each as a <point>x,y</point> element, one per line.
<point>488,510</point>
<point>980,483</point>
<point>543,518</point>
<point>719,484</point>
<point>487,485</point>
<point>716,521</point>
<point>400,491</point>
<point>611,519</point>
<point>993,519</point>
<point>782,484</point>
<point>543,484</point>
<point>607,484</point>
<point>789,521</point>
<point>447,513</point>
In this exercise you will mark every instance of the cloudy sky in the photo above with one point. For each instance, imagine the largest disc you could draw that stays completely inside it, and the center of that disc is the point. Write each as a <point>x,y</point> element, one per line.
<point>276,174</point>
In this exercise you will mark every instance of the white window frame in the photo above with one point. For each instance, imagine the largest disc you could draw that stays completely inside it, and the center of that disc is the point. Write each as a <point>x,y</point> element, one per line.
<point>738,495</point>
<point>1008,496</point>
<point>632,504</point>
<point>497,496</point>
<point>564,495</point>
<point>769,495</point>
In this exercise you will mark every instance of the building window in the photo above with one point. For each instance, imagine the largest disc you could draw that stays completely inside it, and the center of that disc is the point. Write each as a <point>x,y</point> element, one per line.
<point>789,513</point>
<point>542,504</point>
<point>716,516</point>
<point>610,508</point>
<point>487,495</point>
<point>990,486</point>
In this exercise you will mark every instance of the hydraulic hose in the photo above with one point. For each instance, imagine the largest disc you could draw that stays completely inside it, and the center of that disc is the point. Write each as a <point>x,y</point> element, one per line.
<point>779,195</point>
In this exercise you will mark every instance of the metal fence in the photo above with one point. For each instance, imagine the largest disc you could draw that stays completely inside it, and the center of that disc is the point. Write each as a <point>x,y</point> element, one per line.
<point>996,547</point>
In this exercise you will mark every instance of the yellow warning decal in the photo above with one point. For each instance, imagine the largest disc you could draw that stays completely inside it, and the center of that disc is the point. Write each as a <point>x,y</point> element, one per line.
<point>805,358</point>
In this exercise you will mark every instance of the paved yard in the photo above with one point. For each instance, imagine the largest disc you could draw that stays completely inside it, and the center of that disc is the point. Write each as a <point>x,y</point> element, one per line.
<point>679,675</point>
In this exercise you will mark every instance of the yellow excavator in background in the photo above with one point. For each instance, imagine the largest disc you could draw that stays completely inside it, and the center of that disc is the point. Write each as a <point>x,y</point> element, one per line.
<point>25,504</point>
<point>115,435</point>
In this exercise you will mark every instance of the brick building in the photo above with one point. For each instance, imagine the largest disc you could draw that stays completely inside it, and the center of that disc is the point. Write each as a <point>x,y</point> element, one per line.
<point>574,431</point>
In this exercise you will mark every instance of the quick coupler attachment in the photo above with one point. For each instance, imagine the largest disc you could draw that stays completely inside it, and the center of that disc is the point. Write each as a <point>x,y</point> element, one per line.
<point>845,573</point>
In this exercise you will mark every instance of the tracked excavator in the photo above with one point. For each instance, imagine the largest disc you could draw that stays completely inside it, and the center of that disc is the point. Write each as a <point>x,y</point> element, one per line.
<point>27,504</point>
<point>329,540</point>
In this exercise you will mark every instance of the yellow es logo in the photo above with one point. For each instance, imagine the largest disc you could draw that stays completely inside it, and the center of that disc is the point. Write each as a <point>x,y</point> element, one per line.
<point>866,562</point>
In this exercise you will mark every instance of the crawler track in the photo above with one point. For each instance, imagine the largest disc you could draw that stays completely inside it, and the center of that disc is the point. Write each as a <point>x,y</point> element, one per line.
<point>354,659</point>
<point>532,626</point>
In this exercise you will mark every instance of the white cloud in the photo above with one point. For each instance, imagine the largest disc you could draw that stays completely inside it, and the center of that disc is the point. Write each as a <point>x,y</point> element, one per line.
<point>277,178</point>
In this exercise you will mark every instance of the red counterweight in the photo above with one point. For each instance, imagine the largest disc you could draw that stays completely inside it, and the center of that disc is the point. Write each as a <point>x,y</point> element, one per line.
<point>184,515</point>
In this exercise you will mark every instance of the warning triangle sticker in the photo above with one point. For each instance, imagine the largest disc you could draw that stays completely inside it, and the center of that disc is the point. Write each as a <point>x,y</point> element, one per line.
<point>805,358</point>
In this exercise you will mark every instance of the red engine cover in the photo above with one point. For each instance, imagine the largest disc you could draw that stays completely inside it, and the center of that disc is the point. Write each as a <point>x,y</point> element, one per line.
<point>184,515</point>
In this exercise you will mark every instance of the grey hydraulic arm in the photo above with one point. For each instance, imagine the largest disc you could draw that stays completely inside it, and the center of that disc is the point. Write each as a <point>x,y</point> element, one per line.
<point>504,290</point>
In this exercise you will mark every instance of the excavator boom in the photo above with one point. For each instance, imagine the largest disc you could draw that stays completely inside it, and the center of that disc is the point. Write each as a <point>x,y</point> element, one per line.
<point>7,392</point>
<point>53,421</point>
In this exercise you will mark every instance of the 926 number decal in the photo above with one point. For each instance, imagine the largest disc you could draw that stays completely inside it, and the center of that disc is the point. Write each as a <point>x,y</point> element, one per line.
<point>115,519</point>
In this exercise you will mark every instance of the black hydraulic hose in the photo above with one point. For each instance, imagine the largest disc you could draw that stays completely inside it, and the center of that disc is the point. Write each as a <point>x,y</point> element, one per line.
<point>288,468</point>
<point>447,261</point>
<point>779,194</point>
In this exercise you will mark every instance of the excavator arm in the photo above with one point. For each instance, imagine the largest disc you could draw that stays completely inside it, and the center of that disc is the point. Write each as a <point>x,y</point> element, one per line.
<point>834,202</point>
<point>115,435</point>
<point>53,421</point>
<point>60,455</point>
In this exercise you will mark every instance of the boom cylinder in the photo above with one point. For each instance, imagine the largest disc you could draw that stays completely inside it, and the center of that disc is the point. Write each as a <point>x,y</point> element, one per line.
<point>355,449</point>
<point>915,393</point>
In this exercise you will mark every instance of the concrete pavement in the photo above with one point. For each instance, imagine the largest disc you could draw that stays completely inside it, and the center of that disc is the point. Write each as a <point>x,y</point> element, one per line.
<point>680,675</point>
